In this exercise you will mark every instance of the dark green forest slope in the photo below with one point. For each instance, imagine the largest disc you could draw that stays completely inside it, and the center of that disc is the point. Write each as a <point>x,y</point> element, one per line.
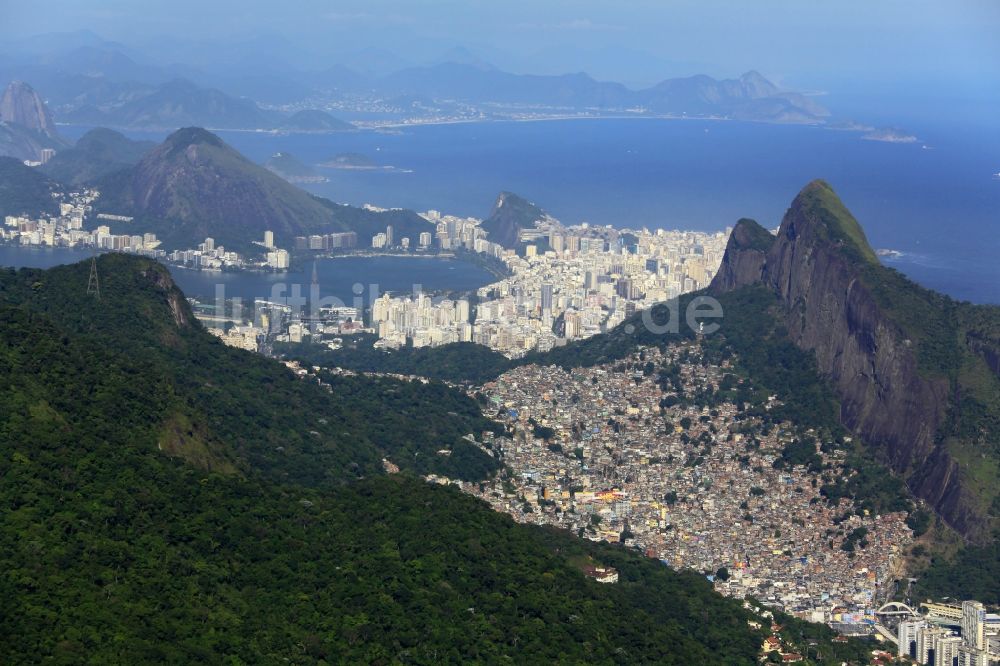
<point>457,362</point>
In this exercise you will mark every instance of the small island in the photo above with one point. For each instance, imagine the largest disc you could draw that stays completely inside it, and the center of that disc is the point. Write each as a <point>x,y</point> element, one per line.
<point>291,169</point>
<point>357,162</point>
<point>350,161</point>
<point>890,135</point>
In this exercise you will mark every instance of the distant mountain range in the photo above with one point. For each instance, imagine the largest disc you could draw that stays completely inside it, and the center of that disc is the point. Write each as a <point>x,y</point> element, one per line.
<point>181,103</point>
<point>750,97</point>
<point>99,84</point>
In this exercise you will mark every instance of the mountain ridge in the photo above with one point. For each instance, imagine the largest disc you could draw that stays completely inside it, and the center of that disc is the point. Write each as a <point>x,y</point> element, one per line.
<point>891,349</point>
<point>749,97</point>
<point>100,85</point>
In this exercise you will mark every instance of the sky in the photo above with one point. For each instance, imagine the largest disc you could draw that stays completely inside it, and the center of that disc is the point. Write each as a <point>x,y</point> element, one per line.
<point>858,44</point>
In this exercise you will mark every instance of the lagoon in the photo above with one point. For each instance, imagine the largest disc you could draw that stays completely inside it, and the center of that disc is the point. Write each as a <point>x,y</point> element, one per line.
<point>343,278</point>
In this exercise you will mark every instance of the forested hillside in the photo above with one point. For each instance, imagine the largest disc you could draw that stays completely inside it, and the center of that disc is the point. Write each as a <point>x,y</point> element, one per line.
<point>167,499</point>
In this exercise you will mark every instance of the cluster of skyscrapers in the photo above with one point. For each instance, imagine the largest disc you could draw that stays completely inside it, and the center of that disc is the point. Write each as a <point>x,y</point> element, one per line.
<point>932,639</point>
<point>336,241</point>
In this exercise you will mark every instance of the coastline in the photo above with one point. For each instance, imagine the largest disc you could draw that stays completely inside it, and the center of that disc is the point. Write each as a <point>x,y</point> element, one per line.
<point>367,126</point>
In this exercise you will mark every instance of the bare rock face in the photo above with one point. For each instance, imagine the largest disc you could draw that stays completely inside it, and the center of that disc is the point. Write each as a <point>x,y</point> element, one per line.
<point>746,254</point>
<point>23,106</point>
<point>822,271</point>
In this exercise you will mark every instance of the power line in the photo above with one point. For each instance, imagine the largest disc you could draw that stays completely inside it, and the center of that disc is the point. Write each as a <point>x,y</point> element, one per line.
<point>94,284</point>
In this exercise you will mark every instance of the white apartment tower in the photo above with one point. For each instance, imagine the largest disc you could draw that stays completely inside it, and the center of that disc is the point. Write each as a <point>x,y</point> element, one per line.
<point>974,624</point>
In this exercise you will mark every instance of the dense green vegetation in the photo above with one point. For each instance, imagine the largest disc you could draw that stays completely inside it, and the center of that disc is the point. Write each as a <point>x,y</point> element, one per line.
<point>117,554</point>
<point>816,641</point>
<point>167,499</point>
<point>974,573</point>
<point>754,236</point>
<point>412,416</point>
<point>839,225</point>
<point>24,190</point>
<point>456,362</point>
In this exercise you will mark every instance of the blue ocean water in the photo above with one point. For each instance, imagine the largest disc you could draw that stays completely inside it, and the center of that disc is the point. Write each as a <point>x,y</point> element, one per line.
<point>936,201</point>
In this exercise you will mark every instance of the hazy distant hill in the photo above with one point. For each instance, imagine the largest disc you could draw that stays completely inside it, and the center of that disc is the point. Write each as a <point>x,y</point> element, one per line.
<point>24,190</point>
<point>96,154</point>
<point>750,97</point>
<point>315,120</point>
<point>475,84</point>
<point>180,103</point>
<point>106,62</point>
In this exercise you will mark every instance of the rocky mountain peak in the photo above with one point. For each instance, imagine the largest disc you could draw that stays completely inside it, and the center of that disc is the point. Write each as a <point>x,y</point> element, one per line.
<point>22,105</point>
<point>887,346</point>
<point>817,213</point>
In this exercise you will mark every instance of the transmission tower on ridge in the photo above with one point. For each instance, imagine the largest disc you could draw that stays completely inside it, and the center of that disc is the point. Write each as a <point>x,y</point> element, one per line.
<point>94,284</point>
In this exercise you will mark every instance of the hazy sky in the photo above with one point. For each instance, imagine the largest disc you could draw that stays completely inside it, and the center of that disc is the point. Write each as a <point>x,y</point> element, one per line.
<point>801,42</point>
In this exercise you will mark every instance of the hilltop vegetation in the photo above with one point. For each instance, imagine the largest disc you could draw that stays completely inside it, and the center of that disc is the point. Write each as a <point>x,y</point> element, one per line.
<point>456,362</point>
